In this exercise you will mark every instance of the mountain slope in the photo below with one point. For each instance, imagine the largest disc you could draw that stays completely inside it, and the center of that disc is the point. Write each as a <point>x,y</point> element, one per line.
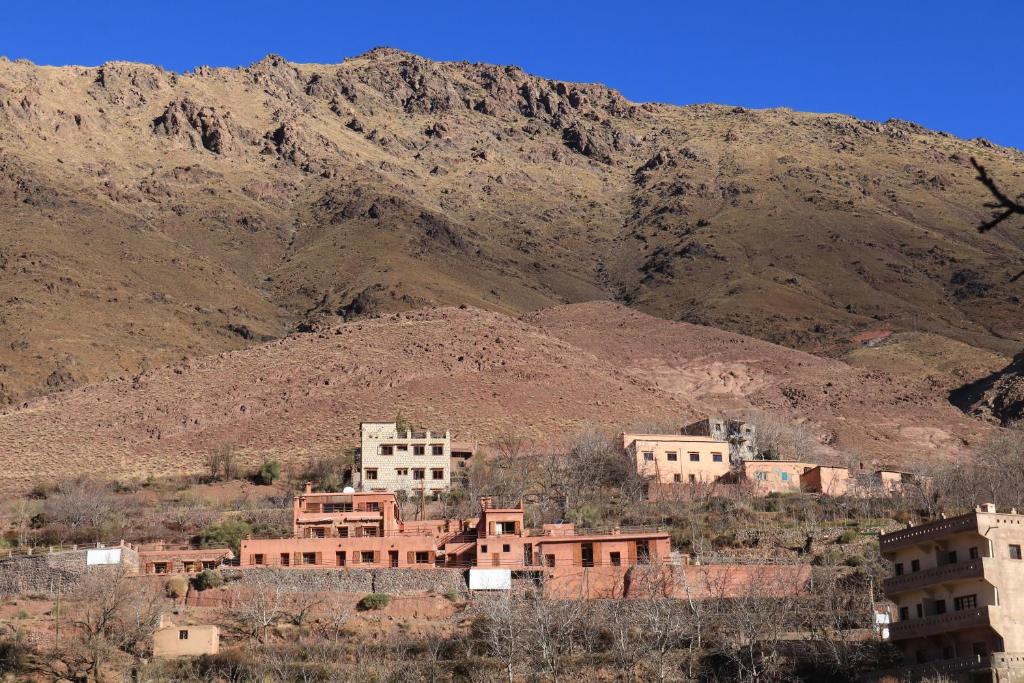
<point>147,216</point>
<point>482,374</point>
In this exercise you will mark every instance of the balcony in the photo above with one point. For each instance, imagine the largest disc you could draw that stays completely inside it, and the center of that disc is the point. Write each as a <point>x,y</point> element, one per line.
<point>928,532</point>
<point>972,569</point>
<point>943,623</point>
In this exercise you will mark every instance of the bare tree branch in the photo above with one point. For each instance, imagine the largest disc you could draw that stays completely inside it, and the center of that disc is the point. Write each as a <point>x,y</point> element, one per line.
<point>1003,207</point>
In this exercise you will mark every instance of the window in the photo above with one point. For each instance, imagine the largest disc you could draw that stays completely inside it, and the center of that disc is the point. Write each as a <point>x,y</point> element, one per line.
<point>402,448</point>
<point>366,557</point>
<point>387,450</point>
<point>258,559</point>
<point>437,449</point>
<point>965,602</point>
<point>1015,552</point>
<point>940,606</point>
<point>419,450</point>
<point>160,568</point>
<point>286,559</point>
<point>504,528</point>
<point>616,559</point>
<point>899,569</point>
<point>371,474</point>
<point>948,652</point>
<point>716,457</point>
<point>340,558</point>
<point>672,456</point>
<point>587,554</point>
<point>643,552</point>
<point>317,532</point>
<point>694,457</point>
<point>401,471</point>
<point>209,565</point>
<point>549,560</point>
<point>373,507</point>
<point>422,557</point>
<point>483,549</point>
<point>342,532</point>
<point>693,478</point>
<point>337,507</point>
<point>506,548</point>
<point>648,456</point>
<point>915,566</point>
<point>677,477</point>
<point>183,634</point>
<point>761,476</point>
<point>308,558</point>
<point>418,473</point>
<point>951,557</point>
<point>437,474</point>
<point>973,553</point>
<point>904,613</point>
<point>784,476</point>
<point>920,610</point>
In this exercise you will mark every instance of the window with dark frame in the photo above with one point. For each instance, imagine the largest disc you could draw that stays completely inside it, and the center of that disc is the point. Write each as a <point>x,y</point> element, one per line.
<point>437,474</point>
<point>1015,552</point>
<point>371,474</point>
<point>419,473</point>
<point>965,602</point>
<point>183,634</point>
<point>716,457</point>
<point>915,566</point>
<point>672,456</point>
<point>973,553</point>
<point>419,450</point>
<point>694,457</point>
<point>437,450</point>
<point>648,456</point>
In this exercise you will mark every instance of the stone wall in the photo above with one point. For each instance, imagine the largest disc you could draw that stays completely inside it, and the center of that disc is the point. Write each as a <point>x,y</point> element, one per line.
<point>45,571</point>
<point>391,581</point>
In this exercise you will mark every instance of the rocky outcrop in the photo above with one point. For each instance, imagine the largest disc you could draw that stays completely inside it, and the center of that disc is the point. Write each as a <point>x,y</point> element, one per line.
<point>997,398</point>
<point>201,127</point>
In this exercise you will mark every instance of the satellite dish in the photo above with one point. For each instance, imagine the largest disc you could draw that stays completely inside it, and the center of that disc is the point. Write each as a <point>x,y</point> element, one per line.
<point>348,489</point>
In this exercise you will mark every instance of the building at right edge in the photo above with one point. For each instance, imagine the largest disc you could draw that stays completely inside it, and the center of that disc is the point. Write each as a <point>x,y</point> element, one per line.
<point>958,586</point>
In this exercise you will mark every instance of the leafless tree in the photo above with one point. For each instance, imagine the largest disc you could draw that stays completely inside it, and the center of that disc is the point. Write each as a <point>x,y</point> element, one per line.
<point>264,603</point>
<point>498,629</point>
<point>111,612</point>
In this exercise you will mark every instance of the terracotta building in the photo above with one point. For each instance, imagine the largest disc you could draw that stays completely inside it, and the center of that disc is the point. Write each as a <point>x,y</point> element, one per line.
<point>826,479</point>
<point>165,558</point>
<point>414,462</point>
<point>677,458</point>
<point>958,586</point>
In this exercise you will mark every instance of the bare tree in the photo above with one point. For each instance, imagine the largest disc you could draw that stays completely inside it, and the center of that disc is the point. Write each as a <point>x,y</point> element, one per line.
<point>111,612</point>
<point>264,603</point>
<point>498,629</point>
<point>1003,207</point>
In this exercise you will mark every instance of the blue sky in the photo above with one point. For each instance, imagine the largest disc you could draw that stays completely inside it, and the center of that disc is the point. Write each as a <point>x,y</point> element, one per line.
<point>954,66</point>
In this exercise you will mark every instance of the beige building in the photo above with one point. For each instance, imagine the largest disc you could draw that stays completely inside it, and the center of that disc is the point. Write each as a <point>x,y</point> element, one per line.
<point>413,462</point>
<point>677,458</point>
<point>958,585</point>
<point>171,640</point>
<point>775,476</point>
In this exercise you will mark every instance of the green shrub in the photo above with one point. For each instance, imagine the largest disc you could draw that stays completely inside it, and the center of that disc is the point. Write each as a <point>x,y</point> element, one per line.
<point>374,601</point>
<point>227,532</point>
<point>207,579</point>
<point>270,470</point>
<point>176,586</point>
<point>848,536</point>
<point>855,561</point>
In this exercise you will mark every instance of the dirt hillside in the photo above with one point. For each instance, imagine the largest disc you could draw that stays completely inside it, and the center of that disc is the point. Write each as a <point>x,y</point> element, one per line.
<point>482,374</point>
<point>148,216</point>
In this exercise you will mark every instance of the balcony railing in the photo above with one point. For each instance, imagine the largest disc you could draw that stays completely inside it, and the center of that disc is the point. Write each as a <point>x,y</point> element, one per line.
<point>972,569</point>
<point>928,532</point>
<point>942,623</point>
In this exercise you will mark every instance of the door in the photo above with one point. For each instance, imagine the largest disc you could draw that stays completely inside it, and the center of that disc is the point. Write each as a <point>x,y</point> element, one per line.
<point>393,555</point>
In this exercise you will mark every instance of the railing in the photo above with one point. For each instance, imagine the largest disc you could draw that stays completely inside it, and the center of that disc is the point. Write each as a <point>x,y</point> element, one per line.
<point>971,569</point>
<point>938,667</point>
<point>927,532</point>
<point>941,623</point>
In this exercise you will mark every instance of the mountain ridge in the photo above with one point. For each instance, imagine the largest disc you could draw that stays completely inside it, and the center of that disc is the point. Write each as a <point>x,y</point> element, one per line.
<point>151,216</point>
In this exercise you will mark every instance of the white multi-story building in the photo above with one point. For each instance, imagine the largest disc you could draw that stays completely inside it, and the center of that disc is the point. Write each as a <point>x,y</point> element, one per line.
<point>413,462</point>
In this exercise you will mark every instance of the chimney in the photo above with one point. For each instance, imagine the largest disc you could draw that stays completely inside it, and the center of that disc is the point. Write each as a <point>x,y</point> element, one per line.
<point>987,507</point>
<point>486,502</point>
<point>309,487</point>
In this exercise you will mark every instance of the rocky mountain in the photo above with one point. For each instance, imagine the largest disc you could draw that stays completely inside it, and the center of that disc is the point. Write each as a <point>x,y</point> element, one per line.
<point>148,216</point>
<point>485,375</point>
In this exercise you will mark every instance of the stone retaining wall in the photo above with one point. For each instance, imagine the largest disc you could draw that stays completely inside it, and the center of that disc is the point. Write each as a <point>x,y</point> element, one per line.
<point>390,581</point>
<point>44,572</point>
